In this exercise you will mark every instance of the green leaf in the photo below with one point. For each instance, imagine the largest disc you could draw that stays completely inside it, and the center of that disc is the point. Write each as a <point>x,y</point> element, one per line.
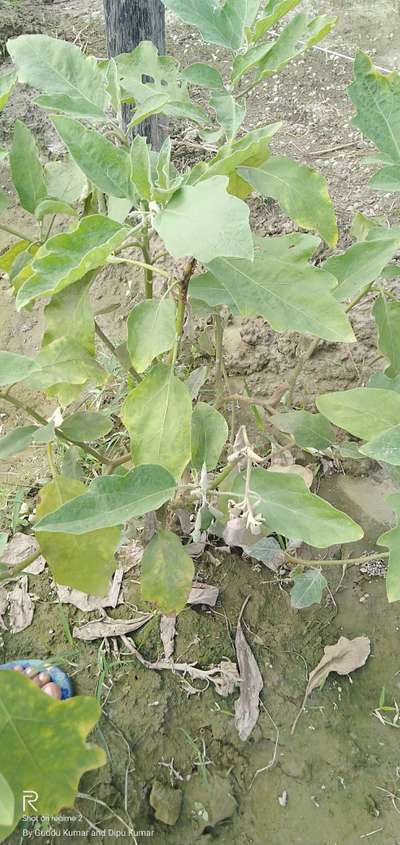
<point>203,75</point>
<point>384,447</point>
<point>8,257</point>
<point>158,416</point>
<point>14,368</point>
<point>86,561</point>
<point>69,314</point>
<point>363,411</point>
<point>310,431</point>
<point>299,190</point>
<point>360,265</point>
<point>53,207</point>
<point>26,169</point>
<point>221,23</point>
<point>273,12</point>
<point>290,509</point>
<point>230,112</point>
<point>391,539</point>
<point>65,181</point>
<point>106,165</point>
<point>67,257</point>
<point>206,222</point>
<point>281,286</point>
<point>195,381</point>
<point>386,179</point>
<point>166,572</point>
<point>60,69</point>
<point>299,35</point>
<point>7,804</point>
<point>381,380</point>
<point>362,226</point>
<point>112,500</point>
<point>86,426</point>
<point>151,331</point>
<point>7,82</point>
<point>209,435</point>
<point>376,96</point>
<point>252,11</point>
<point>141,167</point>
<point>387,318</point>
<point>113,87</point>
<point>161,104</point>
<point>64,361</point>
<point>32,725</point>
<point>307,589</point>
<point>17,440</point>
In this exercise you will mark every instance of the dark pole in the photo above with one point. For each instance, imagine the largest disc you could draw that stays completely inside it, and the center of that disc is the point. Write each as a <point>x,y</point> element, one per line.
<point>127,23</point>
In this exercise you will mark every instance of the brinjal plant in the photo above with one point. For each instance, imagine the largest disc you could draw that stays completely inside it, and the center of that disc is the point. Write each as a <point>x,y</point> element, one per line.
<point>171,443</point>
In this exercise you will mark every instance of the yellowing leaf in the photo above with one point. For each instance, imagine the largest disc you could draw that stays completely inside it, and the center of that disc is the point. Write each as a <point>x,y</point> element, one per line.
<point>32,726</point>
<point>85,561</point>
<point>157,415</point>
<point>167,572</point>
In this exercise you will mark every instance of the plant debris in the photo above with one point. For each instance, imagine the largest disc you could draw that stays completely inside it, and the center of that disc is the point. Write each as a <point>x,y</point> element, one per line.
<point>109,627</point>
<point>86,602</point>
<point>22,546</point>
<point>167,634</point>
<point>251,684</point>
<point>203,594</point>
<point>21,606</point>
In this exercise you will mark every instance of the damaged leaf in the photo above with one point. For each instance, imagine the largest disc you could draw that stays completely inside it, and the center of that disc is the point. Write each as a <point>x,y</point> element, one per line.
<point>86,602</point>
<point>251,684</point>
<point>167,634</point>
<point>308,588</point>
<point>109,628</point>
<point>343,657</point>
<point>21,606</point>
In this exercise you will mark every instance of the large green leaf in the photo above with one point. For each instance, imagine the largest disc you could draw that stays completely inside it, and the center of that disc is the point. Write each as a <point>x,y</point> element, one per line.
<point>50,207</point>
<point>112,500</point>
<point>151,331</point>
<point>65,180</point>
<point>106,165</point>
<point>221,23</point>
<point>67,257</point>
<point>299,190</point>
<point>363,411</point>
<point>7,82</point>
<point>273,12</point>
<point>154,84</point>
<point>209,435</point>
<point>299,35</point>
<point>32,726</point>
<point>290,509</point>
<point>387,318</point>
<point>86,426</point>
<point>158,415</point>
<point>166,572</point>
<point>69,314</point>
<point>376,96</point>
<point>310,431</point>
<point>307,589</point>
<point>281,286</point>
<point>81,561</point>
<point>71,81</point>
<point>386,179</point>
<point>206,222</point>
<point>361,264</point>
<point>384,447</point>
<point>14,368</point>
<point>203,75</point>
<point>26,169</point>
<point>230,112</point>
<point>65,361</point>
<point>141,167</point>
<point>17,440</point>
<point>7,805</point>
<point>391,539</point>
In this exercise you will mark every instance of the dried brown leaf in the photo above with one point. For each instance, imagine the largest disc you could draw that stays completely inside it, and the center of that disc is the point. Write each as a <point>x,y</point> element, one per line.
<point>203,594</point>
<point>251,684</point>
<point>4,601</point>
<point>237,533</point>
<point>22,546</point>
<point>86,602</point>
<point>167,634</point>
<point>21,606</point>
<point>109,628</point>
<point>343,657</point>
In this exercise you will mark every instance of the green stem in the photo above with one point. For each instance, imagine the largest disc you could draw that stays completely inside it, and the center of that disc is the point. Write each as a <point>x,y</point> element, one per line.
<point>225,473</point>
<point>181,307</point>
<point>19,567</point>
<point>11,230</point>
<point>249,400</point>
<point>349,561</point>
<point>114,351</point>
<point>50,459</point>
<point>219,339</point>
<point>148,266</point>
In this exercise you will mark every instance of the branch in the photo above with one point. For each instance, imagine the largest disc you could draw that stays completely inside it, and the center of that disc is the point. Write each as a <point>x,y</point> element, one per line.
<point>18,567</point>
<point>349,561</point>
<point>182,301</point>
<point>114,351</point>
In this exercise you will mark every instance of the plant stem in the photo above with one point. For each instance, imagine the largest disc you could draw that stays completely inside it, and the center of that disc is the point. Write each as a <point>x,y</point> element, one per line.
<point>149,269</point>
<point>181,308</point>
<point>225,473</point>
<point>103,459</point>
<point>349,561</point>
<point>148,266</point>
<point>249,400</point>
<point>19,567</point>
<point>219,339</point>
<point>50,460</point>
<point>114,351</point>
<point>23,236</point>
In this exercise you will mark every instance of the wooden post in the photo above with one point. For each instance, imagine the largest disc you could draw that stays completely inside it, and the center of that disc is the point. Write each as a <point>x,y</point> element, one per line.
<point>127,23</point>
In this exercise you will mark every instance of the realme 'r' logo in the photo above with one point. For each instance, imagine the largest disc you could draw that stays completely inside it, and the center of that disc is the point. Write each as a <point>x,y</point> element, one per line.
<point>29,798</point>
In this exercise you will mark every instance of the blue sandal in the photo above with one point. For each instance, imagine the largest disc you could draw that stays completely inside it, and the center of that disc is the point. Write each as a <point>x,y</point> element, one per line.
<point>57,675</point>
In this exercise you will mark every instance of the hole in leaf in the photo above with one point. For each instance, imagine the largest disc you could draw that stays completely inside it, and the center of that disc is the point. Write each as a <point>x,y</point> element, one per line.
<point>147,80</point>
